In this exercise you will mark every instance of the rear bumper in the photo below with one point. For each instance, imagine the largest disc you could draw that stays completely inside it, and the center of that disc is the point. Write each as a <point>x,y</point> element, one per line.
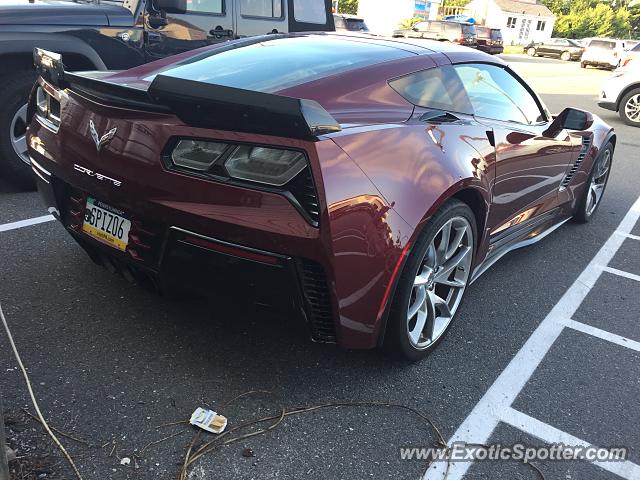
<point>176,261</point>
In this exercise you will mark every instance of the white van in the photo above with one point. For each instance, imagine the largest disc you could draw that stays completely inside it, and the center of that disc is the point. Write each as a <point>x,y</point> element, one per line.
<point>603,52</point>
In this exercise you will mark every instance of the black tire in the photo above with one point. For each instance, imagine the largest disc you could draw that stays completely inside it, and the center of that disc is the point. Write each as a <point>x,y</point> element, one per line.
<point>396,341</point>
<point>635,95</point>
<point>565,56</point>
<point>582,213</point>
<point>583,65</point>
<point>13,96</point>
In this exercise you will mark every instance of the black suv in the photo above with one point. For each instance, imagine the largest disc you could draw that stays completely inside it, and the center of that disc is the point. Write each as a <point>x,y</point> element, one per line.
<point>489,40</point>
<point>562,48</point>
<point>455,32</point>
<point>119,34</point>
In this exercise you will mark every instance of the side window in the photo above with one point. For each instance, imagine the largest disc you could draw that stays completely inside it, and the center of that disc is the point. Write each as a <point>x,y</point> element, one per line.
<point>261,8</point>
<point>438,88</point>
<point>307,11</point>
<point>495,93</point>
<point>206,6</point>
<point>339,22</point>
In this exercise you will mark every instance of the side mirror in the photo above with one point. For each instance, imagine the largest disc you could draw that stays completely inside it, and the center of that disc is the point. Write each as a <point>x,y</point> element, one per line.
<point>569,119</point>
<point>171,6</point>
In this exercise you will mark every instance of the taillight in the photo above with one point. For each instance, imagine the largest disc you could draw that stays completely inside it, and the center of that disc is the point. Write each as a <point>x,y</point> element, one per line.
<point>459,40</point>
<point>626,62</point>
<point>47,108</point>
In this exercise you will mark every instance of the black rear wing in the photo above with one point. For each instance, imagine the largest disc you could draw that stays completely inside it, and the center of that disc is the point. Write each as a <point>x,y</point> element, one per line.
<point>200,104</point>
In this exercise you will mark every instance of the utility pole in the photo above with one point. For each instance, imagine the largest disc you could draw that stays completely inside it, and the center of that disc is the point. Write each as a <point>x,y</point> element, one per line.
<point>4,465</point>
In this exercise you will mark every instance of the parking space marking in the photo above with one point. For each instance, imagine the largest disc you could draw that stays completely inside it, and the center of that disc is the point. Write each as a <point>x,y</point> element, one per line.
<point>26,223</point>
<point>551,435</point>
<point>628,235</point>
<point>485,416</point>
<point>603,334</point>
<point>622,273</point>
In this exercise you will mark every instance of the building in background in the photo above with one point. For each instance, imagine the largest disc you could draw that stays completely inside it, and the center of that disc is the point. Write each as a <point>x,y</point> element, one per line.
<point>521,21</point>
<point>384,19</point>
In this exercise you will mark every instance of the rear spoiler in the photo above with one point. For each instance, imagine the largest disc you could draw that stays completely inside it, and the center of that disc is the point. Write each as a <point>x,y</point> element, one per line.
<point>200,104</point>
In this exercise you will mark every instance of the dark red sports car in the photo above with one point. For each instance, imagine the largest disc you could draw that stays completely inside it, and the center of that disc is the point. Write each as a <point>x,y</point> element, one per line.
<point>363,182</point>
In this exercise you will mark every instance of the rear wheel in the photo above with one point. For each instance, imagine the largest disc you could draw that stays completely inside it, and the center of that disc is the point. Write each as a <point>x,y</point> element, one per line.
<point>432,283</point>
<point>565,56</point>
<point>583,65</point>
<point>629,109</point>
<point>14,160</point>
<point>594,190</point>
<point>531,51</point>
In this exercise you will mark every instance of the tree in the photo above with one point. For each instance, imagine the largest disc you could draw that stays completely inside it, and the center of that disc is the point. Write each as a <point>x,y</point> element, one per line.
<point>348,6</point>
<point>593,18</point>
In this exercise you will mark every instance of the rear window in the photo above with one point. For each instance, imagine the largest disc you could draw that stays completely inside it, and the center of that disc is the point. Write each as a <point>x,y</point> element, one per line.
<point>636,48</point>
<point>496,35</point>
<point>281,63</point>
<point>356,25</point>
<point>483,32</point>
<point>469,29</point>
<point>602,44</point>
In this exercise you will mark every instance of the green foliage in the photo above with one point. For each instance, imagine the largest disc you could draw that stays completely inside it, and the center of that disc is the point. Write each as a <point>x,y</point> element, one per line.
<point>455,3</point>
<point>348,6</point>
<point>594,18</point>
<point>409,22</point>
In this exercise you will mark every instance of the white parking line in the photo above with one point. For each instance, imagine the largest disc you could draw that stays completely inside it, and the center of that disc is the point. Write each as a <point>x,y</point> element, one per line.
<point>485,416</point>
<point>621,273</point>
<point>604,335</point>
<point>26,223</point>
<point>628,235</point>
<point>549,434</point>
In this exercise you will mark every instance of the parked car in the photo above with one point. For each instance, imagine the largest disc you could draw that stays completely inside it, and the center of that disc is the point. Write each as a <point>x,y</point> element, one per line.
<point>349,23</point>
<point>115,35</point>
<point>633,54</point>
<point>356,179</point>
<point>562,48</point>
<point>603,52</point>
<point>454,32</point>
<point>621,93</point>
<point>489,40</point>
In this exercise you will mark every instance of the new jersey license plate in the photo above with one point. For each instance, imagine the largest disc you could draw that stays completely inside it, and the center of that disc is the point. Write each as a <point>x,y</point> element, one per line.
<point>106,223</point>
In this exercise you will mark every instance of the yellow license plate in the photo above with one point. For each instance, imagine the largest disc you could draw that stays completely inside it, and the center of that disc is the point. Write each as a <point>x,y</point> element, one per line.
<point>106,223</point>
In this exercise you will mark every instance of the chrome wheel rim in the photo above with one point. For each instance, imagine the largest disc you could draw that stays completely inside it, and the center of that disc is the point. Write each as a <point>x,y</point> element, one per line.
<point>531,52</point>
<point>632,108</point>
<point>18,134</point>
<point>440,282</point>
<point>566,56</point>
<point>598,182</point>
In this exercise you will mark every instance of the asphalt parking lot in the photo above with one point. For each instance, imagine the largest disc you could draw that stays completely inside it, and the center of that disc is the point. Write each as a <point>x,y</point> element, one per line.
<point>545,349</point>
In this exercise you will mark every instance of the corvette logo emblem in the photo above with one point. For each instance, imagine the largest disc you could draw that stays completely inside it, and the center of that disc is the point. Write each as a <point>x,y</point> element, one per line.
<point>97,139</point>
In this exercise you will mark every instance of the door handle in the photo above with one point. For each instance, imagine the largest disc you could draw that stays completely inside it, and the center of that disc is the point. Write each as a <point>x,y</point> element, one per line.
<point>220,32</point>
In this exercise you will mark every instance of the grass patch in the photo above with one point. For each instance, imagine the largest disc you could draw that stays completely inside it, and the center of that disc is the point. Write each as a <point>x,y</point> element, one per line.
<point>513,49</point>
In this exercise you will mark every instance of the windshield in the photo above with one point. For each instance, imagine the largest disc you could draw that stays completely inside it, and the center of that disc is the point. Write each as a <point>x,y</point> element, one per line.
<point>277,64</point>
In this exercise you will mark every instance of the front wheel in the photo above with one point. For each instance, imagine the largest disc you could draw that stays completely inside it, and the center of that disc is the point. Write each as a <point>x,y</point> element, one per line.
<point>432,282</point>
<point>629,110</point>
<point>531,52</point>
<point>14,160</point>
<point>594,189</point>
<point>565,56</point>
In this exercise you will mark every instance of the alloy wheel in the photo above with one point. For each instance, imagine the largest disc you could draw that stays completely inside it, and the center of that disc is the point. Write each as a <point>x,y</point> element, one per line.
<point>598,182</point>
<point>440,282</point>
<point>632,108</point>
<point>18,134</point>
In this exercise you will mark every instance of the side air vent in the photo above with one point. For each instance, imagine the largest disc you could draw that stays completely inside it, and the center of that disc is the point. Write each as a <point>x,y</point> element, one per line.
<point>586,145</point>
<point>318,301</point>
<point>304,191</point>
